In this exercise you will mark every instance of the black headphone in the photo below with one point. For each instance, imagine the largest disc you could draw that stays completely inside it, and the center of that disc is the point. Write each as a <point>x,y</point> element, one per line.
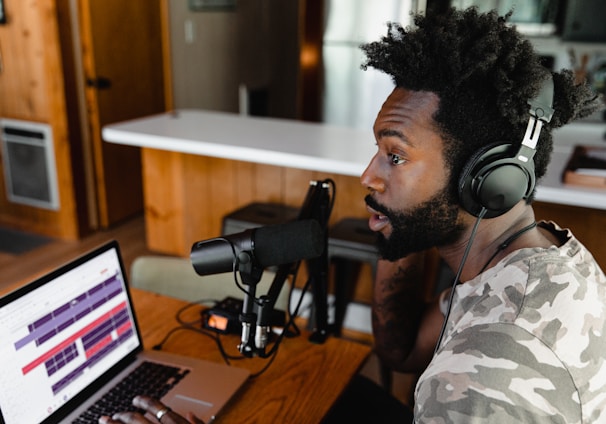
<point>495,179</point>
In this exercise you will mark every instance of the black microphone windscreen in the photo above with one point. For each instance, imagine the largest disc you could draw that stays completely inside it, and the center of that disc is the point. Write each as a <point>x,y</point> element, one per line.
<point>270,246</point>
<point>213,256</point>
<point>290,242</point>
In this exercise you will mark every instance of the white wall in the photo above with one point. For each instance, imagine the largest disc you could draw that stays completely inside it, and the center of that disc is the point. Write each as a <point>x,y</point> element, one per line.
<point>205,62</point>
<point>255,44</point>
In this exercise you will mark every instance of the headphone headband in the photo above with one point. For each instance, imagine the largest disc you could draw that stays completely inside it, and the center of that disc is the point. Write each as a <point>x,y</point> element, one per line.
<point>541,107</point>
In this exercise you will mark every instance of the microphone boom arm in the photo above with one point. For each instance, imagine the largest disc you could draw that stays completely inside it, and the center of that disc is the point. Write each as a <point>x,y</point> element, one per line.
<point>318,206</point>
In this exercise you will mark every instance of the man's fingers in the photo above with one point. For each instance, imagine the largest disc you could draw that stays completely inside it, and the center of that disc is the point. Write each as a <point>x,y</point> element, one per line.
<point>124,418</point>
<point>152,407</point>
<point>149,404</point>
<point>161,411</point>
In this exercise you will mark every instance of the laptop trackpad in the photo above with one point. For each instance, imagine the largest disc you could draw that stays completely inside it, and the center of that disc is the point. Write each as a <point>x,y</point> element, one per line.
<point>182,404</point>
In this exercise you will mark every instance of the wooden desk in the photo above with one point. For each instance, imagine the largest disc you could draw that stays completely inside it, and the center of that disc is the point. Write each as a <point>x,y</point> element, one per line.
<point>300,385</point>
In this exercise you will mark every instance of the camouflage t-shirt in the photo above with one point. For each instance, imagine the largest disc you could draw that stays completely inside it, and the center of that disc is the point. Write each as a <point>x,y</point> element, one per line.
<point>524,343</point>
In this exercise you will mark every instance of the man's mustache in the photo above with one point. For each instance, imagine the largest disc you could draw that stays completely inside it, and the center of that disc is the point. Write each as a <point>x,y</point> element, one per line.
<point>370,201</point>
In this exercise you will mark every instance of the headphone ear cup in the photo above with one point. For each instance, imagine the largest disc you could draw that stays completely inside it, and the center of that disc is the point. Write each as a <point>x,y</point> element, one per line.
<point>467,197</point>
<point>494,179</point>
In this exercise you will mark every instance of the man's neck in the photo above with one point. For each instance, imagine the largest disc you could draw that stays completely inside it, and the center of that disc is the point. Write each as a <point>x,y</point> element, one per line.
<point>494,239</point>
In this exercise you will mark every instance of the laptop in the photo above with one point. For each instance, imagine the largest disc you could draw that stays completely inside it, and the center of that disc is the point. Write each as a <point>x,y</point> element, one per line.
<point>69,336</point>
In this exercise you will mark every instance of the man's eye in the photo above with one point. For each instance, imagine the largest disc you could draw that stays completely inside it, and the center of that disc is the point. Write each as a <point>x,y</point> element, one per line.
<point>396,159</point>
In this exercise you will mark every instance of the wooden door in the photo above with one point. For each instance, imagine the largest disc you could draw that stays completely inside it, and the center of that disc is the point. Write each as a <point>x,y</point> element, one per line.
<point>123,68</point>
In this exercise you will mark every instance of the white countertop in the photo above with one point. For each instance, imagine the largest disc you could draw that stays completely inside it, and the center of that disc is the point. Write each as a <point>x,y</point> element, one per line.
<point>320,147</point>
<point>270,141</point>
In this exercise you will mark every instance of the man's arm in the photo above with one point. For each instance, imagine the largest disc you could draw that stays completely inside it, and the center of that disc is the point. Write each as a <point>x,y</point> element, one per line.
<point>405,326</point>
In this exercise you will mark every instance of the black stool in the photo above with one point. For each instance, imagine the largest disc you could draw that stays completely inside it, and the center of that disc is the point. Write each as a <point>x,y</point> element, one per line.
<point>350,243</point>
<point>258,215</point>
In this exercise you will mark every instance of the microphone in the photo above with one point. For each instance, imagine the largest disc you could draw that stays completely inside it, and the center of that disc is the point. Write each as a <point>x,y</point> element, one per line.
<point>266,246</point>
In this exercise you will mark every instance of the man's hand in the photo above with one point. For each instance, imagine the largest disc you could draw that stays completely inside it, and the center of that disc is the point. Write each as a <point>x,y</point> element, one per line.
<point>152,407</point>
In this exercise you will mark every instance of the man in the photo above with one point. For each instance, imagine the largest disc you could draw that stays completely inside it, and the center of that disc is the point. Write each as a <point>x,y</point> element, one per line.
<point>523,340</point>
<point>523,330</point>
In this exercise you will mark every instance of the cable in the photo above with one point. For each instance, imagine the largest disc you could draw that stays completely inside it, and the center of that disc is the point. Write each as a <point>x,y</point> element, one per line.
<point>193,326</point>
<point>290,321</point>
<point>334,193</point>
<point>507,242</point>
<point>458,275</point>
<point>266,366</point>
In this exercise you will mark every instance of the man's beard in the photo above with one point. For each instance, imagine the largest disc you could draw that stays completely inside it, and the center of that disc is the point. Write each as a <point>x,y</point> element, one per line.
<point>432,223</point>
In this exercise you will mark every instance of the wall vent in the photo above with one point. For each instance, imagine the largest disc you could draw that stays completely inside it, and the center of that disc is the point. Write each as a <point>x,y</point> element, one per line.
<point>29,163</point>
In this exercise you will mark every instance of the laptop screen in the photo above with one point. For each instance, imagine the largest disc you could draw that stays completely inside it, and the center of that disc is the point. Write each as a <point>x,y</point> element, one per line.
<point>61,333</point>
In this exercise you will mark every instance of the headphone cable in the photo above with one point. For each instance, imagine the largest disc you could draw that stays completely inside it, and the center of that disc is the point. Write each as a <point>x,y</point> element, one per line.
<point>507,243</point>
<point>458,275</point>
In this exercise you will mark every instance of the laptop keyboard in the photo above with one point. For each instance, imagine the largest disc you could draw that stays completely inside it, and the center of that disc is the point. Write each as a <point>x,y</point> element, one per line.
<point>149,378</point>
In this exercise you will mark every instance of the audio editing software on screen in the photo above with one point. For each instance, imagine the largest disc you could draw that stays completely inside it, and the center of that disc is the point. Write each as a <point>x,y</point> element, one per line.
<point>58,338</point>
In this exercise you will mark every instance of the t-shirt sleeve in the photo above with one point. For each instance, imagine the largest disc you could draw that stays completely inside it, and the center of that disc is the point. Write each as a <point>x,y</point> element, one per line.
<point>497,373</point>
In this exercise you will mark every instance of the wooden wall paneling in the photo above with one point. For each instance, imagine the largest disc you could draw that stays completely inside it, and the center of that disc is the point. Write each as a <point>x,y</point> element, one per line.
<point>350,198</point>
<point>269,182</point>
<point>221,176</point>
<point>24,51</point>
<point>187,196</point>
<point>66,223</point>
<point>164,200</point>
<point>296,184</point>
<point>17,99</point>
<point>246,188</point>
<point>202,197</point>
<point>32,87</point>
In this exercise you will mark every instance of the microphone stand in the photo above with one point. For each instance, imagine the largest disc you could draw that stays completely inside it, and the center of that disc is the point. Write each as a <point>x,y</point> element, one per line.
<point>258,314</point>
<point>250,274</point>
<point>317,205</point>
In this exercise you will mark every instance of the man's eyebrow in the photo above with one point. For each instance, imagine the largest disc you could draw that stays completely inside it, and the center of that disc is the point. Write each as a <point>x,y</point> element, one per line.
<point>388,132</point>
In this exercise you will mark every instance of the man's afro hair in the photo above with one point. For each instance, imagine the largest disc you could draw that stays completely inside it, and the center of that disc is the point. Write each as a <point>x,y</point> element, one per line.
<point>484,73</point>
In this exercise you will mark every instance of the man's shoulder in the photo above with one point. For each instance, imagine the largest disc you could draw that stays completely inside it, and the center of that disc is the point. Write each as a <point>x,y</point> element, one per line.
<point>497,373</point>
